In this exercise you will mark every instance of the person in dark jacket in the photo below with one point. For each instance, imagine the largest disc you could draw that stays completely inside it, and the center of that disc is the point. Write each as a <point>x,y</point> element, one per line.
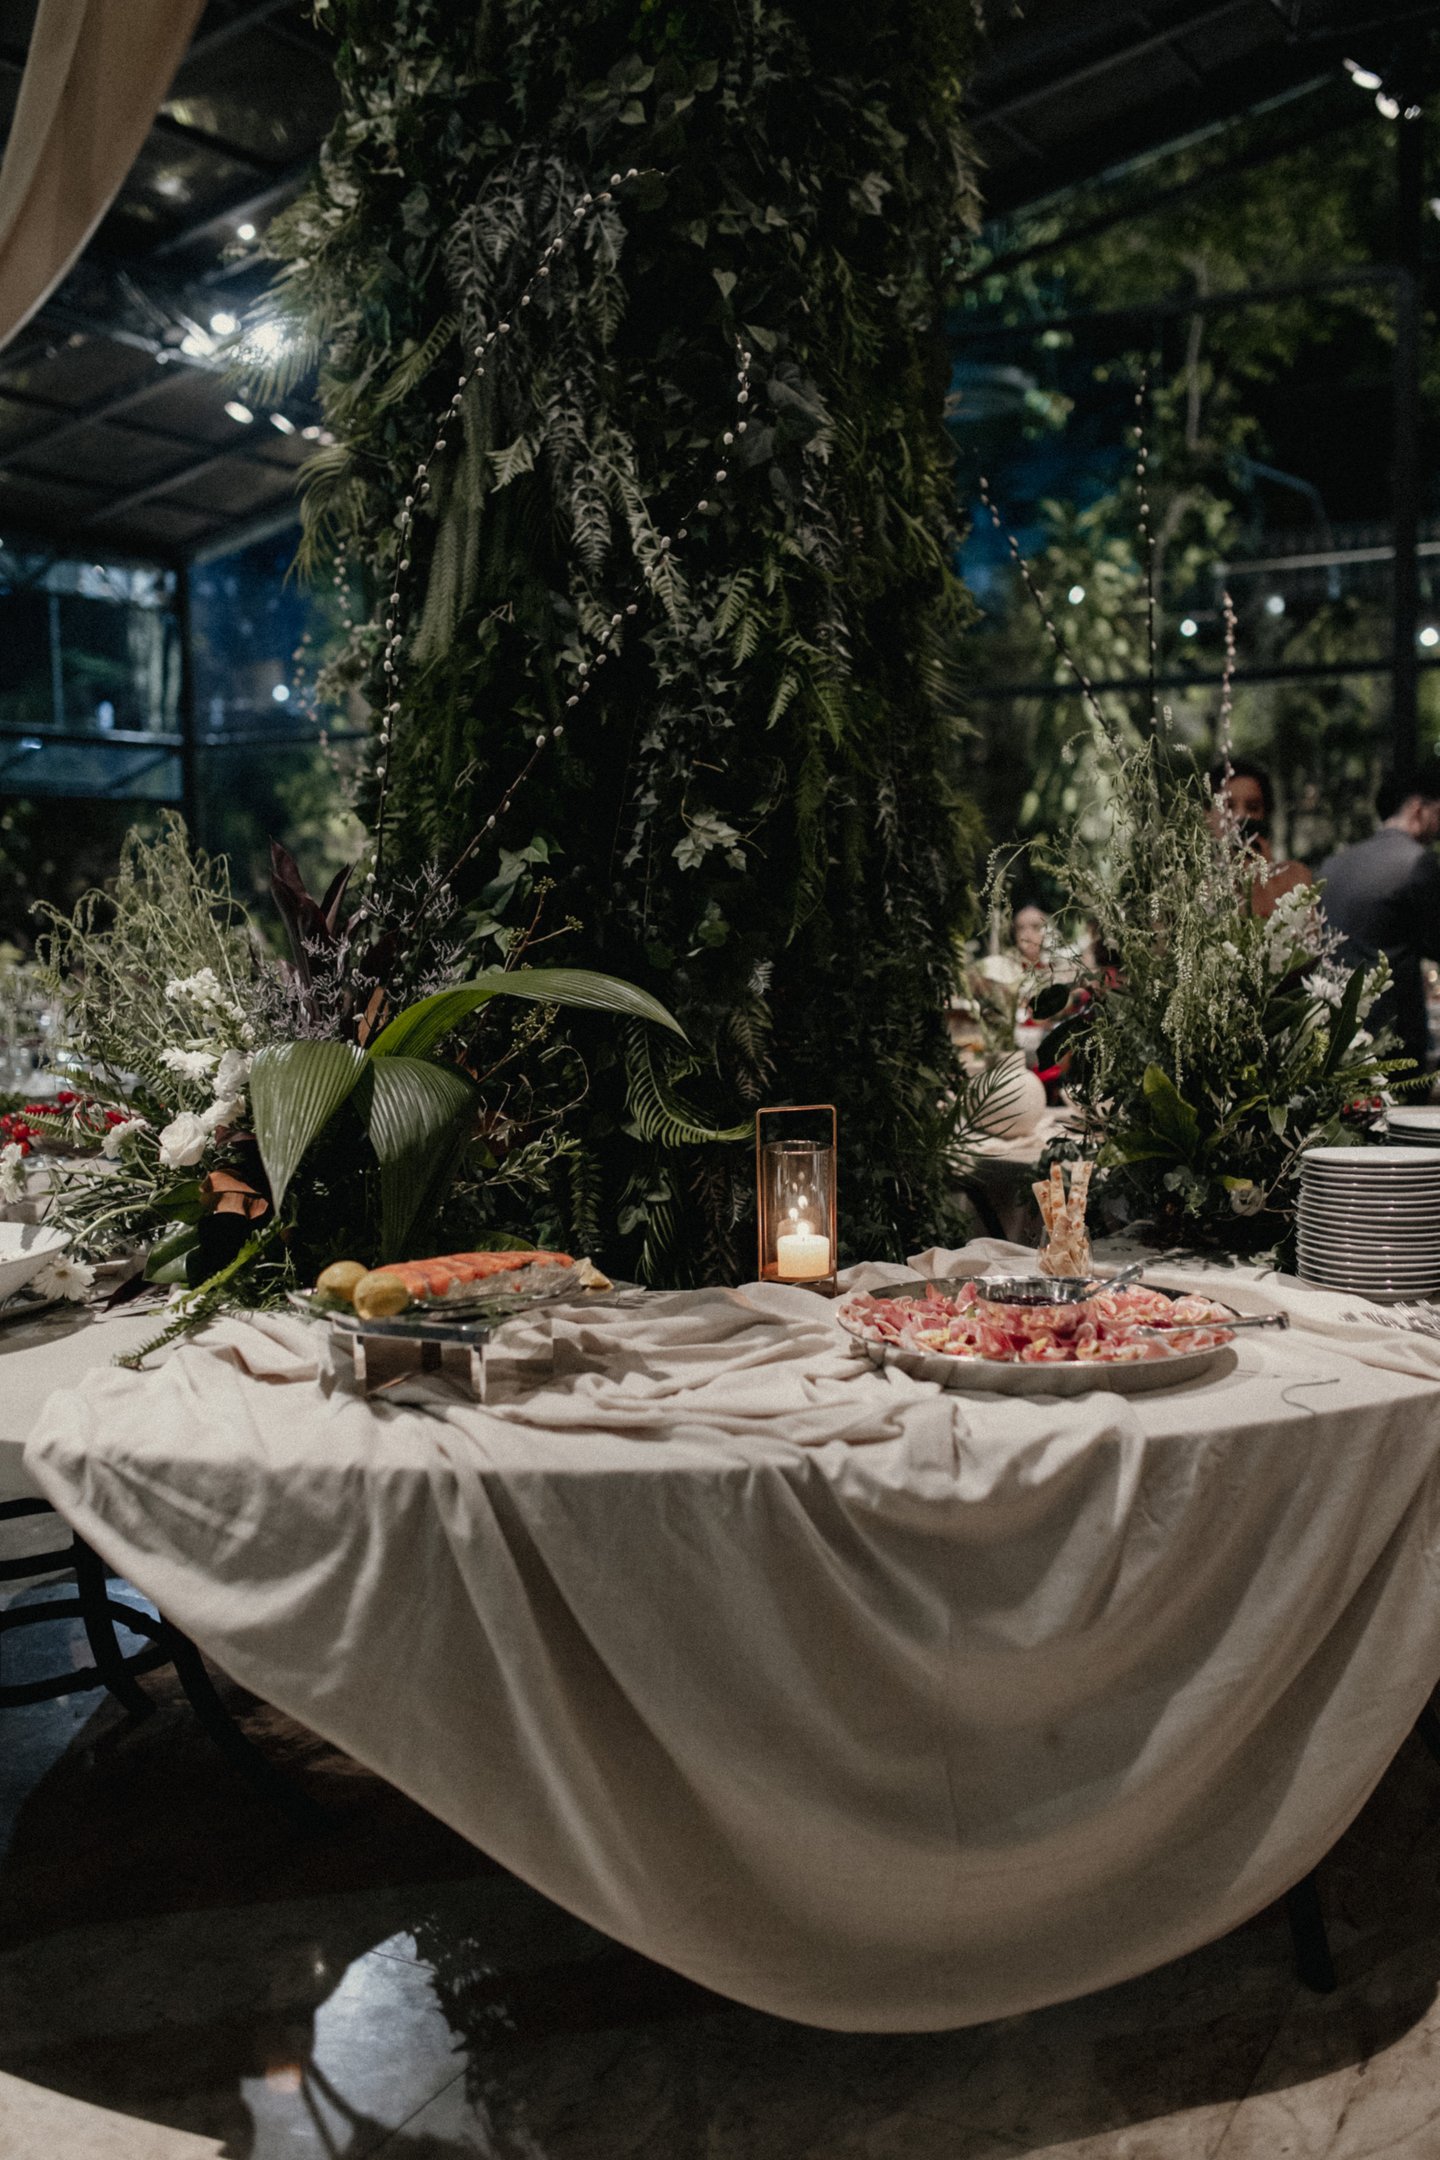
<point>1383,896</point>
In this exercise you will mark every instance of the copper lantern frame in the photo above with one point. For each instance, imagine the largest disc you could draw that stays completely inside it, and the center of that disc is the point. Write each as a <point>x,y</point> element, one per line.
<point>767,1202</point>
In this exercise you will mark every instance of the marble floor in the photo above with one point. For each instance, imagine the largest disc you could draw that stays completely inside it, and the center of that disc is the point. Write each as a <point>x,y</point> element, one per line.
<point>182,1977</point>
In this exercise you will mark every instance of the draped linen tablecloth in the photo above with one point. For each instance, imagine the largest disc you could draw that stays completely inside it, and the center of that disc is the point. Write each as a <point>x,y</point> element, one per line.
<point>868,1703</point>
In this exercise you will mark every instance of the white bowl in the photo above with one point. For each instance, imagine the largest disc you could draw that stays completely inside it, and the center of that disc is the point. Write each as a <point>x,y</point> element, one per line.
<point>24,1248</point>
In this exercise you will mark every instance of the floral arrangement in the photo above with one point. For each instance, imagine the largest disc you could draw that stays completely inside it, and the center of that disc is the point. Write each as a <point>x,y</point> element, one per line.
<point>246,1119</point>
<point>1219,1043</point>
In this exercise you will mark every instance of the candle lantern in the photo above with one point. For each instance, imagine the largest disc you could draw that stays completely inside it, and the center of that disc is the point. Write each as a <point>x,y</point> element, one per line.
<point>799,1231</point>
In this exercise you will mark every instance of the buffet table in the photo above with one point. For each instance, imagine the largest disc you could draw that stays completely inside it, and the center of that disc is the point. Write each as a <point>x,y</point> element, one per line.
<point>869,1703</point>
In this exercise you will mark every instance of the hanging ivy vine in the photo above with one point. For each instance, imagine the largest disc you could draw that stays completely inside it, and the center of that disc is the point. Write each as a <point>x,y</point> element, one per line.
<point>667,592</point>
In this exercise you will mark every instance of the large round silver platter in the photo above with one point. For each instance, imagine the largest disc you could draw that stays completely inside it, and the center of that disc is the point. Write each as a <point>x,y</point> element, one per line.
<point>990,1376</point>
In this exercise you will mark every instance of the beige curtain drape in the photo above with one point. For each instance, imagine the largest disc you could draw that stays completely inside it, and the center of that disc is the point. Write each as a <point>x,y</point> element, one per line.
<point>96,73</point>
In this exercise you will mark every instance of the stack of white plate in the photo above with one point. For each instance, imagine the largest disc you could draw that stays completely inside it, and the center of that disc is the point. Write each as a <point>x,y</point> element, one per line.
<point>1370,1220</point>
<point>1415,1124</point>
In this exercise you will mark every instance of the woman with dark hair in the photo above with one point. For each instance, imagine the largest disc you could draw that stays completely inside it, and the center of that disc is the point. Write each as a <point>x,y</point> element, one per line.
<point>1243,800</point>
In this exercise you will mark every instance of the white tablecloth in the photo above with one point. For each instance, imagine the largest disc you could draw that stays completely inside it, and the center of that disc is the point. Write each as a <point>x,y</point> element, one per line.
<point>870,1704</point>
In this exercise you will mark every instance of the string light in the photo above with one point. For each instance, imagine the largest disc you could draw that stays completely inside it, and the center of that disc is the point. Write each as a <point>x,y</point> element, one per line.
<point>607,640</point>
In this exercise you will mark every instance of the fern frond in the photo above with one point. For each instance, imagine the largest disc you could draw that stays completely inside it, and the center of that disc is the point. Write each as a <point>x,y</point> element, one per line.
<point>416,364</point>
<point>658,1112</point>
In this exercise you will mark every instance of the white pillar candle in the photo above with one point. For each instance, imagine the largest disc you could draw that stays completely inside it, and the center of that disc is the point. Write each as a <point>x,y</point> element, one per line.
<point>801,1256</point>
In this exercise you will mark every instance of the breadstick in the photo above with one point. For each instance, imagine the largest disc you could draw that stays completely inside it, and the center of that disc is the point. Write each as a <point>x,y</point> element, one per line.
<point>1079,1195</point>
<point>1041,1191</point>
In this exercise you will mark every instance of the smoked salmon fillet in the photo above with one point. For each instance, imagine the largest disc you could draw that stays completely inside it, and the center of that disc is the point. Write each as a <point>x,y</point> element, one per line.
<point>454,1273</point>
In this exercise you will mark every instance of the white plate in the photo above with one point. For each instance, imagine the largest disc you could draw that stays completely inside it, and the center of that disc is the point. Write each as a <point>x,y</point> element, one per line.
<point>1421,1172</point>
<point>1372,1249</point>
<point>1357,1278</point>
<point>1413,1254</point>
<point>1416,1117</point>
<point>1369,1210</point>
<point>1360,1240</point>
<point>1408,1182</point>
<point>1326,1265</point>
<point>1324,1158</point>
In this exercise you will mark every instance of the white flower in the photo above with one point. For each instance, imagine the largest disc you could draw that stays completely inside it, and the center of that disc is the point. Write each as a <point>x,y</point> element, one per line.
<point>12,1172</point>
<point>1000,968</point>
<point>204,989</point>
<point>116,1137</point>
<point>189,1064</point>
<point>183,1141</point>
<point>223,1112</point>
<point>62,1277</point>
<point>233,1073</point>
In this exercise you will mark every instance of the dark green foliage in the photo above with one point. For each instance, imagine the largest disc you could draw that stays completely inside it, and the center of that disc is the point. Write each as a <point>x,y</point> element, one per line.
<point>754,811</point>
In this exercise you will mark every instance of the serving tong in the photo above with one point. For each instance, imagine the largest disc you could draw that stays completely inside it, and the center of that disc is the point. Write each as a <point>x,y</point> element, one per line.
<point>1041,1290</point>
<point>1053,1289</point>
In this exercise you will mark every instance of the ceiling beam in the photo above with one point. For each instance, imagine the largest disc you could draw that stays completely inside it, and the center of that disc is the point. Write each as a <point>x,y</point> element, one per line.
<point>1141,206</point>
<point>248,208</point>
<point>14,57</point>
<point>100,416</point>
<point>180,477</point>
<point>1088,71</point>
<point>228,537</point>
<point>249,18</point>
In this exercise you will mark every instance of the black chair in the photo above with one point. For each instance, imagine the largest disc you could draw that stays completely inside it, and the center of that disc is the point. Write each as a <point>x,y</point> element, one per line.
<point>1314,1966</point>
<point>119,1671</point>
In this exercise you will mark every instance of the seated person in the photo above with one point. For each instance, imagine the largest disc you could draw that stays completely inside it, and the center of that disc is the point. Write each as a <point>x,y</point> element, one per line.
<point>1244,790</point>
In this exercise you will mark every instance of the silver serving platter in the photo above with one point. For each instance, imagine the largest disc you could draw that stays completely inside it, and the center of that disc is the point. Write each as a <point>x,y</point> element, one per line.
<point>991,1376</point>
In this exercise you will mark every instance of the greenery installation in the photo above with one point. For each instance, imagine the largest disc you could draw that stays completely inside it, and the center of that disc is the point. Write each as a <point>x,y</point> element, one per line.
<point>692,508</point>
<point>1237,418</point>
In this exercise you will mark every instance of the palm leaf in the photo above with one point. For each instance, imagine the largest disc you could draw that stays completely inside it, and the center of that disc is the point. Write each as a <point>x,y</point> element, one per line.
<point>415,1032</point>
<point>418,1117</point>
<point>295,1090</point>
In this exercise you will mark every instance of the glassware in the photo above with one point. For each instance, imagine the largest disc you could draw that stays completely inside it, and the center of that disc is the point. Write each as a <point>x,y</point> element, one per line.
<point>795,1196</point>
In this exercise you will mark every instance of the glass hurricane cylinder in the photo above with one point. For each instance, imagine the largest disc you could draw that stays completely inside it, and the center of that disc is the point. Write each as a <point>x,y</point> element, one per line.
<point>795,1199</point>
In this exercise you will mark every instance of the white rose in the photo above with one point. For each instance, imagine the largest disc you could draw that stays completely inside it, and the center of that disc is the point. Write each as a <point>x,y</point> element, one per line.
<point>189,1064</point>
<point>233,1073</point>
<point>12,1172</point>
<point>223,1112</point>
<point>116,1137</point>
<point>183,1141</point>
